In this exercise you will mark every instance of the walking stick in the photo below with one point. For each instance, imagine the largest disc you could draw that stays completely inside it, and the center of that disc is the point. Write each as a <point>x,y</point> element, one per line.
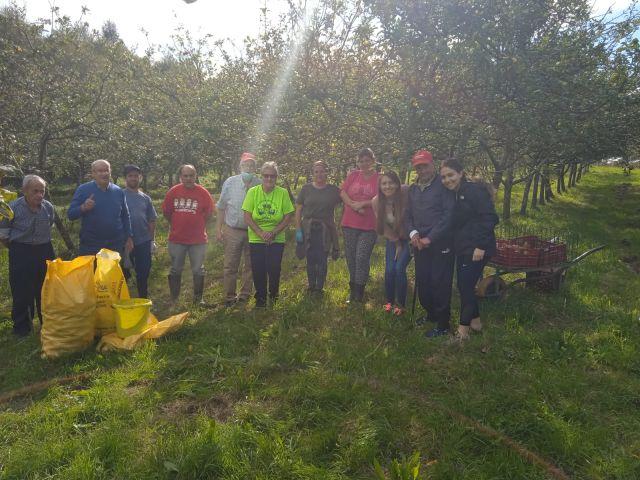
<point>415,288</point>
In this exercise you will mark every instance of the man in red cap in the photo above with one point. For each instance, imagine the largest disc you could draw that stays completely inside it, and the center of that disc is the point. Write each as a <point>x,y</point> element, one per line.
<point>232,231</point>
<point>429,217</point>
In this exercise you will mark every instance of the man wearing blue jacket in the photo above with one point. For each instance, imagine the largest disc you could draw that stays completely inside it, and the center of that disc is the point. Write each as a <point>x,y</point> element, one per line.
<point>429,220</point>
<point>103,211</point>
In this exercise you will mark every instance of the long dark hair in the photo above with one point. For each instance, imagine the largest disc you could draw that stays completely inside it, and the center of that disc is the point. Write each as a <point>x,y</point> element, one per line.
<point>455,164</point>
<point>398,205</point>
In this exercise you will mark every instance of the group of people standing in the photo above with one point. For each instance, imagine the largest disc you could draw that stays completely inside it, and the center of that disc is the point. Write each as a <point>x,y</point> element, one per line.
<point>441,220</point>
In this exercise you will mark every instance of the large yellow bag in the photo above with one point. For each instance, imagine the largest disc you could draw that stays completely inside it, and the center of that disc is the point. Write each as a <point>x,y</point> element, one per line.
<point>154,329</point>
<point>68,306</point>
<point>111,286</point>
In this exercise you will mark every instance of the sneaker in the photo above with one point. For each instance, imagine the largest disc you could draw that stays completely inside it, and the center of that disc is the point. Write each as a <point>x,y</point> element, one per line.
<point>436,332</point>
<point>423,320</point>
<point>397,311</point>
<point>387,307</point>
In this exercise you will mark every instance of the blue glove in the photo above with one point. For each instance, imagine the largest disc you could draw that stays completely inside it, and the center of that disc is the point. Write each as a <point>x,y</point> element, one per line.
<point>299,236</point>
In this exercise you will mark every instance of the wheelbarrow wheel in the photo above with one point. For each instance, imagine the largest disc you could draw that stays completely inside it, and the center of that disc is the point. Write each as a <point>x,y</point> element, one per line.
<point>546,281</point>
<point>491,287</point>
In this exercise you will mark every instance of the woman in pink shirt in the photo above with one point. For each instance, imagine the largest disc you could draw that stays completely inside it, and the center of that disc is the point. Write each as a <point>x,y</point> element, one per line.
<point>359,222</point>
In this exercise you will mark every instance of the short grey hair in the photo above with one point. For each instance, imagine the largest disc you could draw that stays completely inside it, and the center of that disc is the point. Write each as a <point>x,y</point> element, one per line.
<point>269,166</point>
<point>32,178</point>
<point>100,160</point>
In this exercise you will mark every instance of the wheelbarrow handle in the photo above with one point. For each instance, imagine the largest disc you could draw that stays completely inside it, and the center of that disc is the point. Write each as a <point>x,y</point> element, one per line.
<point>586,254</point>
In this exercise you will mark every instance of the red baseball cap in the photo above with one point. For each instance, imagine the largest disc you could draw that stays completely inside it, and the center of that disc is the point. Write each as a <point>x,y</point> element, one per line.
<point>421,157</point>
<point>247,156</point>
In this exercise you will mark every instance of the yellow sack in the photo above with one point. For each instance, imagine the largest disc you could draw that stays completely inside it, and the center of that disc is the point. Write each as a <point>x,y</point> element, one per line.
<point>68,306</point>
<point>154,329</point>
<point>111,286</point>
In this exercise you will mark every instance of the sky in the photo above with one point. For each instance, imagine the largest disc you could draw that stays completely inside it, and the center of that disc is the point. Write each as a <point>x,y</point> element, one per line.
<point>224,19</point>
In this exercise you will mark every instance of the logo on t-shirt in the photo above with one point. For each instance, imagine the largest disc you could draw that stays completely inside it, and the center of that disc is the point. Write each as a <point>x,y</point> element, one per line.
<point>187,205</point>
<point>266,209</point>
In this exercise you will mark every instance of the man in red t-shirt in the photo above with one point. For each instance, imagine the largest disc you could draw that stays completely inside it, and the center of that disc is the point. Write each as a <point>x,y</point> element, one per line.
<point>187,206</point>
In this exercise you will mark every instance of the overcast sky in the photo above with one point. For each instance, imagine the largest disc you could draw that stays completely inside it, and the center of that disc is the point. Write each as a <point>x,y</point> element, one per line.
<point>232,19</point>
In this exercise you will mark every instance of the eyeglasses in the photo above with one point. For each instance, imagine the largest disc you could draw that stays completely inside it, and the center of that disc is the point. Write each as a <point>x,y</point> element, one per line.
<point>266,175</point>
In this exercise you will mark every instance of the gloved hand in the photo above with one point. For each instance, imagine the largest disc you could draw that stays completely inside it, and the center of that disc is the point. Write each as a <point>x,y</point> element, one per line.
<point>154,248</point>
<point>299,236</point>
<point>127,264</point>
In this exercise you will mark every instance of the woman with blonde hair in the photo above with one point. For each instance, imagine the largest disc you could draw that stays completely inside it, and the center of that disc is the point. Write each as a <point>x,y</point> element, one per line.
<point>267,211</point>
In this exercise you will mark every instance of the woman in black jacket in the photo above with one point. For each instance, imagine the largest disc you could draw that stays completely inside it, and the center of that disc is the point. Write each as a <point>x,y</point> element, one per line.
<point>474,243</point>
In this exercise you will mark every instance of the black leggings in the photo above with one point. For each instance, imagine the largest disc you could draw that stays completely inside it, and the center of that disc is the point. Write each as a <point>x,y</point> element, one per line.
<point>468,273</point>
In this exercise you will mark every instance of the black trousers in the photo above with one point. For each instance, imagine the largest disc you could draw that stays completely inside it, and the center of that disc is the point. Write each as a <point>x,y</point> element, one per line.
<point>266,262</point>
<point>141,259</point>
<point>27,269</point>
<point>434,278</point>
<point>316,258</point>
<point>468,273</point>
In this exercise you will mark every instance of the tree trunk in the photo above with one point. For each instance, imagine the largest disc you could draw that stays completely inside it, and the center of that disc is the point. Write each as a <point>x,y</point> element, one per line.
<point>525,195</point>
<point>496,180</point>
<point>579,176</point>
<point>42,153</point>
<point>548,191</point>
<point>560,187</point>
<point>62,229</point>
<point>541,200</point>
<point>534,194</point>
<point>572,175</point>
<point>506,199</point>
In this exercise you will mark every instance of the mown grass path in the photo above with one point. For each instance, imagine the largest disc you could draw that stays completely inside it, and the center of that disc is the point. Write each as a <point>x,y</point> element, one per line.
<point>316,389</point>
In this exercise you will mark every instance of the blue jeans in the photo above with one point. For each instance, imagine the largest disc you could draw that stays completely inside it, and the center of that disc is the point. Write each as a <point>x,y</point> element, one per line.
<point>395,272</point>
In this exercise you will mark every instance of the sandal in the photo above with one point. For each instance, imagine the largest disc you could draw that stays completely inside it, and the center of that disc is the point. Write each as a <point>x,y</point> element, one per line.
<point>397,311</point>
<point>387,307</point>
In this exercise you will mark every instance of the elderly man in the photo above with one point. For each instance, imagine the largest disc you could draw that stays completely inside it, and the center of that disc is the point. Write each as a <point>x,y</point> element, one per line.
<point>232,231</point>
<point>103,209</point>
<point>143,224</point>
<point>187,206</point>
<point>429,217</point>
<point>28,236</point>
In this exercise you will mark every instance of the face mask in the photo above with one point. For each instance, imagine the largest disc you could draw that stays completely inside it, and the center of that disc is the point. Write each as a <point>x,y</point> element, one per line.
<point>247,176</point>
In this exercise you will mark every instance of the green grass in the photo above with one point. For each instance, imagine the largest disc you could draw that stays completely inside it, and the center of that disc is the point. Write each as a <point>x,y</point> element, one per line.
<point>314,389</point>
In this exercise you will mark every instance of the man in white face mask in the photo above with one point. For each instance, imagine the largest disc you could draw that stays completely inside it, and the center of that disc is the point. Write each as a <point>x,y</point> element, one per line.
<point>232,231</point>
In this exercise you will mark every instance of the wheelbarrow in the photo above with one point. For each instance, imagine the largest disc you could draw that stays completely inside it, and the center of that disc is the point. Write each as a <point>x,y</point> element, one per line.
<point>544,265</point>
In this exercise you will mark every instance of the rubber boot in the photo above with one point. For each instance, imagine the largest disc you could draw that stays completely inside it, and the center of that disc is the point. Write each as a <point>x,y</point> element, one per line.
<point>174,286</point>
<point>352,293</point>
<point>198,288</point>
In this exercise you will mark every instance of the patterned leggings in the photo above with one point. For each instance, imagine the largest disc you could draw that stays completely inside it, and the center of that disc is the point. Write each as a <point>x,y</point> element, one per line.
<point>358,246</point>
